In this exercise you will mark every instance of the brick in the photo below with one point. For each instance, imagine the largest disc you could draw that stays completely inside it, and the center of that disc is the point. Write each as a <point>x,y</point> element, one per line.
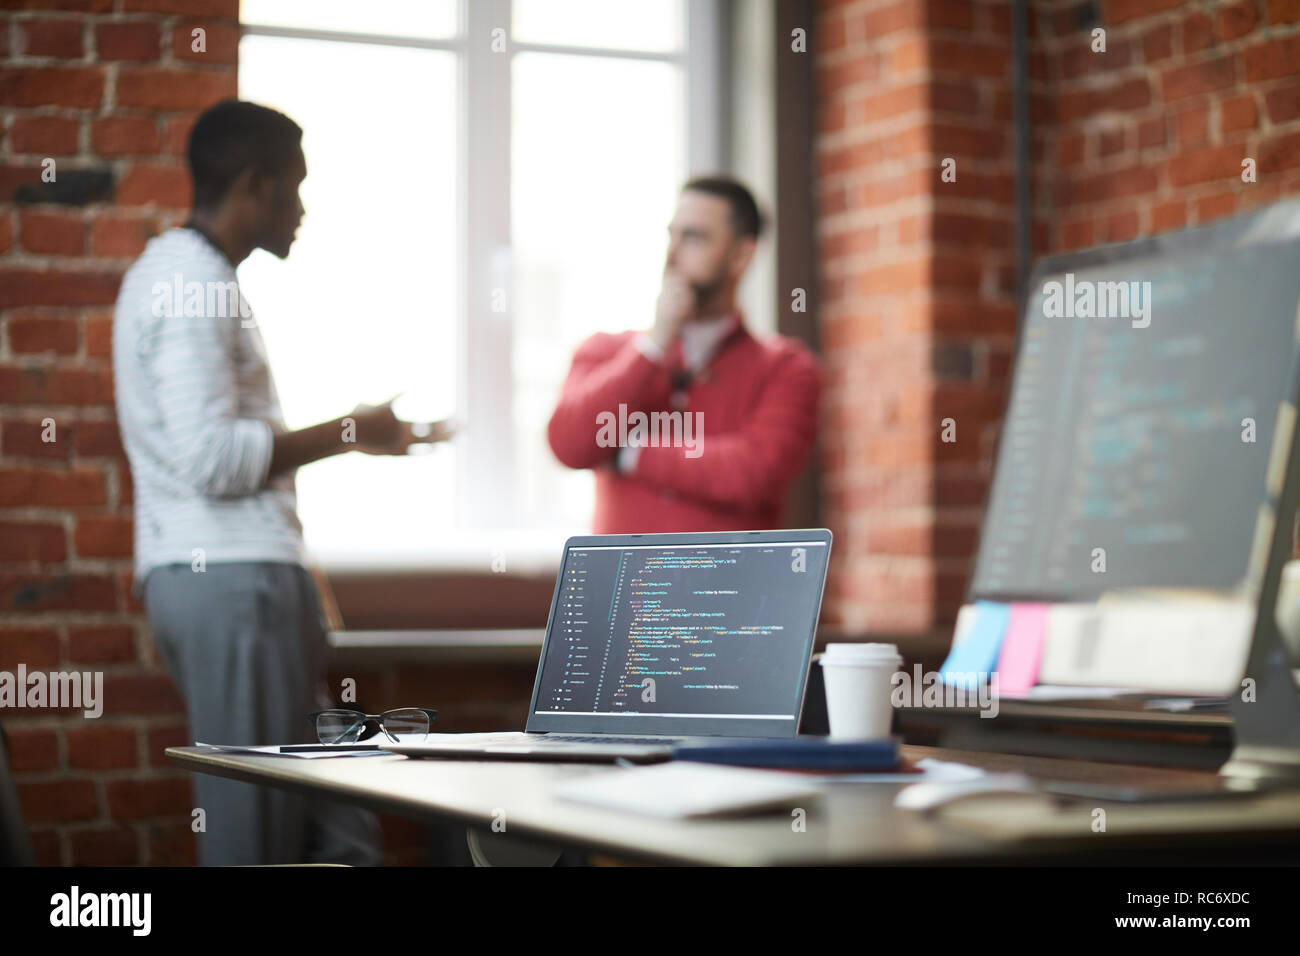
<point>142,799</point>
<point>905,15</point>
<point>32,541</point>
<point>125,136</point>
<point>63,6</point>
<point>146,184</point>
<point>176,133</point>
<point>947,97</point>
<point>1077,234</point>
<point>1240,112</point>
<point>46,845</point>
<point>1205,77</point>
<point>31,750</point>
<point>44,135</point>
<point>141,693</point>
<point>119,237</point>
<point>1169,216</point>
<point>52,233</point>
<point>1158,44</point>
<point>101,746</point>
<point>34,336</point>
<point>56,386</point>
<point>1277,153</point>
<point>1115,184</point>
<point>37,647</point>
<point>221,42</point>
<point>969,58</point>
<point>172,844</point>
<point>1151,133</point>
<point>97,440</point>
<point>1272,59</point>
<point>1198,33</point>
<point>99,333</point>
<point>30,593</point>
<point>1237,19</point>
<point>24,287</point>
<point>1193,126</point>
<point>6,231</point>
<point>1121,11</point>
<point>1110,142</point>
<point>161,89</point>
<point>1283,11</point>
<point>116,847</point>
<point>58,801</point>
<point>128,41</point>
<point>226,9</point>
<point>23,439</point>
<point>49,487</point>
<point>103,537</point>
<point>1071,148</point>
<point>160,738</point>
<point>1080,59</point>
<point>98,645</point>
<point>80,87</point>
<point>58,38</point>
<point>1205,165</point>
<point>1283,102</point>
<point>1122,96</point>
<point>1215,207</point>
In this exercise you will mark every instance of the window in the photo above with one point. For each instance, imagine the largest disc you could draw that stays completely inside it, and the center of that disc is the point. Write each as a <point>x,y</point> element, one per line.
<point>488,184</point>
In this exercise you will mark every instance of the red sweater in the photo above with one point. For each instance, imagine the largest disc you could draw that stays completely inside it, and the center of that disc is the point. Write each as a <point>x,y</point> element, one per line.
<point>759,402</point>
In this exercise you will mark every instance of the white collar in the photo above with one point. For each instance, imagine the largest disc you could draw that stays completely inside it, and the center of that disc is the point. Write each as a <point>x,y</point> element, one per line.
<point>701,338</point>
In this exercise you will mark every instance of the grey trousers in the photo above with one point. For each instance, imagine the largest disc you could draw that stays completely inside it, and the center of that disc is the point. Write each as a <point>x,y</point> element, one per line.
<point>246,646</point>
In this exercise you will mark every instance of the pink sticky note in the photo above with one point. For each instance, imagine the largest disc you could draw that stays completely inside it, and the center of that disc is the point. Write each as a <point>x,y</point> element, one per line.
<point>1022,648</point>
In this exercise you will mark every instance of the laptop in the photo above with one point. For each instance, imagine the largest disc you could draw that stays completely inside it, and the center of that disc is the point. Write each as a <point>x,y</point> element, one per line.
<point>660,641</point>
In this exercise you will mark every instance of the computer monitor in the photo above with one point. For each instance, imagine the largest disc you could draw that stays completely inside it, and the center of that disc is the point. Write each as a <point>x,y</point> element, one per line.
<point>1145,479</point>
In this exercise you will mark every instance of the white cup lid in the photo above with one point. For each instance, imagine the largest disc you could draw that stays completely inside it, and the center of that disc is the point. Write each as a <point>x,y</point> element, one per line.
<point>862,652</point>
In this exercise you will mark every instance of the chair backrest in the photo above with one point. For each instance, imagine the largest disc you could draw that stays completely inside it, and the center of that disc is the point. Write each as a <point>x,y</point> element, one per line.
<point>15,847</point>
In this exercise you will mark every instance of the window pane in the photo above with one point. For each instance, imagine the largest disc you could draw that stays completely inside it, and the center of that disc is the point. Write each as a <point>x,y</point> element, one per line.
<point>428,19</point>
<point>597,158</point>
<point>364,306</point>
<point>651,25</point>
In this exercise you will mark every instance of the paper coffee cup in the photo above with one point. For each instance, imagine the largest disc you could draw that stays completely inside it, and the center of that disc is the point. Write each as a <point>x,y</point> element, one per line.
<point>858,679</point>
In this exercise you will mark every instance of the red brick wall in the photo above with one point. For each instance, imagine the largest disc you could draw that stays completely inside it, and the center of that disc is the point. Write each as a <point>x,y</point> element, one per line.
<point>108,85</point>
<point>918,274</point>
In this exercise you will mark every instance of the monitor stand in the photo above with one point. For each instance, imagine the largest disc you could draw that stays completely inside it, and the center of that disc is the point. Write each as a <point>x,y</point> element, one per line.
<point>1267,728</point>
<point>1266,717</point>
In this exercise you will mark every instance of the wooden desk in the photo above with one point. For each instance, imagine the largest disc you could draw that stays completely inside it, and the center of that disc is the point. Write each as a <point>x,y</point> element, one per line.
<point>851,824</point>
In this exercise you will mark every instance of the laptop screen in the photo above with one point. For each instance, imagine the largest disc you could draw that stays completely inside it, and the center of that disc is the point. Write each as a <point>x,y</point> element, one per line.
<point>699,637</point>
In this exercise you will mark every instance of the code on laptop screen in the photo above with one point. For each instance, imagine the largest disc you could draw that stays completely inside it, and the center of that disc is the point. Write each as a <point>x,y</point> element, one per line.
<point>718,631</point>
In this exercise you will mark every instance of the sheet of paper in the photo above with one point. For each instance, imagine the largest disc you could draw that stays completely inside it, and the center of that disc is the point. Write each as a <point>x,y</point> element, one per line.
<point>977,652</point>
<point>274,751</point>
<point>686,789</point>
<point>1022,648</point>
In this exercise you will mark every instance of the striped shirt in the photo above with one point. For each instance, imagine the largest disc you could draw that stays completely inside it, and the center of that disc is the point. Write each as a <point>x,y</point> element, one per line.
<point>197,408</point>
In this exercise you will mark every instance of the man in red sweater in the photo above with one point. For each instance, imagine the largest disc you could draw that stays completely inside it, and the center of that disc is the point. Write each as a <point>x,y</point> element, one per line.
<point>694,425</point>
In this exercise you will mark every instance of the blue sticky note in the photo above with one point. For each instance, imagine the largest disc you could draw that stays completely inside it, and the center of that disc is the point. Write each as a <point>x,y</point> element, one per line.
<point>977,652</point>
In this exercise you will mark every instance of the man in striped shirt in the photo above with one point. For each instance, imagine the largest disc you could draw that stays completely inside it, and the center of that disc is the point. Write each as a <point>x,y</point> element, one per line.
<point>218,547</point>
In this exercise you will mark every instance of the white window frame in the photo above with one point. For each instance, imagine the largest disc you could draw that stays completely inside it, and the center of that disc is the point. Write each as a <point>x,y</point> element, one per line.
<point>485,472</point>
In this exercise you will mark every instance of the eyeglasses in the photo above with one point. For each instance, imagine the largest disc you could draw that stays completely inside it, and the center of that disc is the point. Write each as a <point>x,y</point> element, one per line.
<point>349,726</point>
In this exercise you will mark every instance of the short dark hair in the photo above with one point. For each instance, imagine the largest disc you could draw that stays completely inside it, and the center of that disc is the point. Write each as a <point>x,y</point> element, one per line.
<point>233,136</point>
<point>746,220</point>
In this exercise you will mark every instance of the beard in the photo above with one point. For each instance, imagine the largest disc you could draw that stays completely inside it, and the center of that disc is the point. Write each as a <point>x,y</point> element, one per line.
<point>704,291</point>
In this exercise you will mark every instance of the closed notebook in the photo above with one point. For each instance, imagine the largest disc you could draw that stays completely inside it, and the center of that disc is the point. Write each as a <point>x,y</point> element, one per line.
<point>801,753</point>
